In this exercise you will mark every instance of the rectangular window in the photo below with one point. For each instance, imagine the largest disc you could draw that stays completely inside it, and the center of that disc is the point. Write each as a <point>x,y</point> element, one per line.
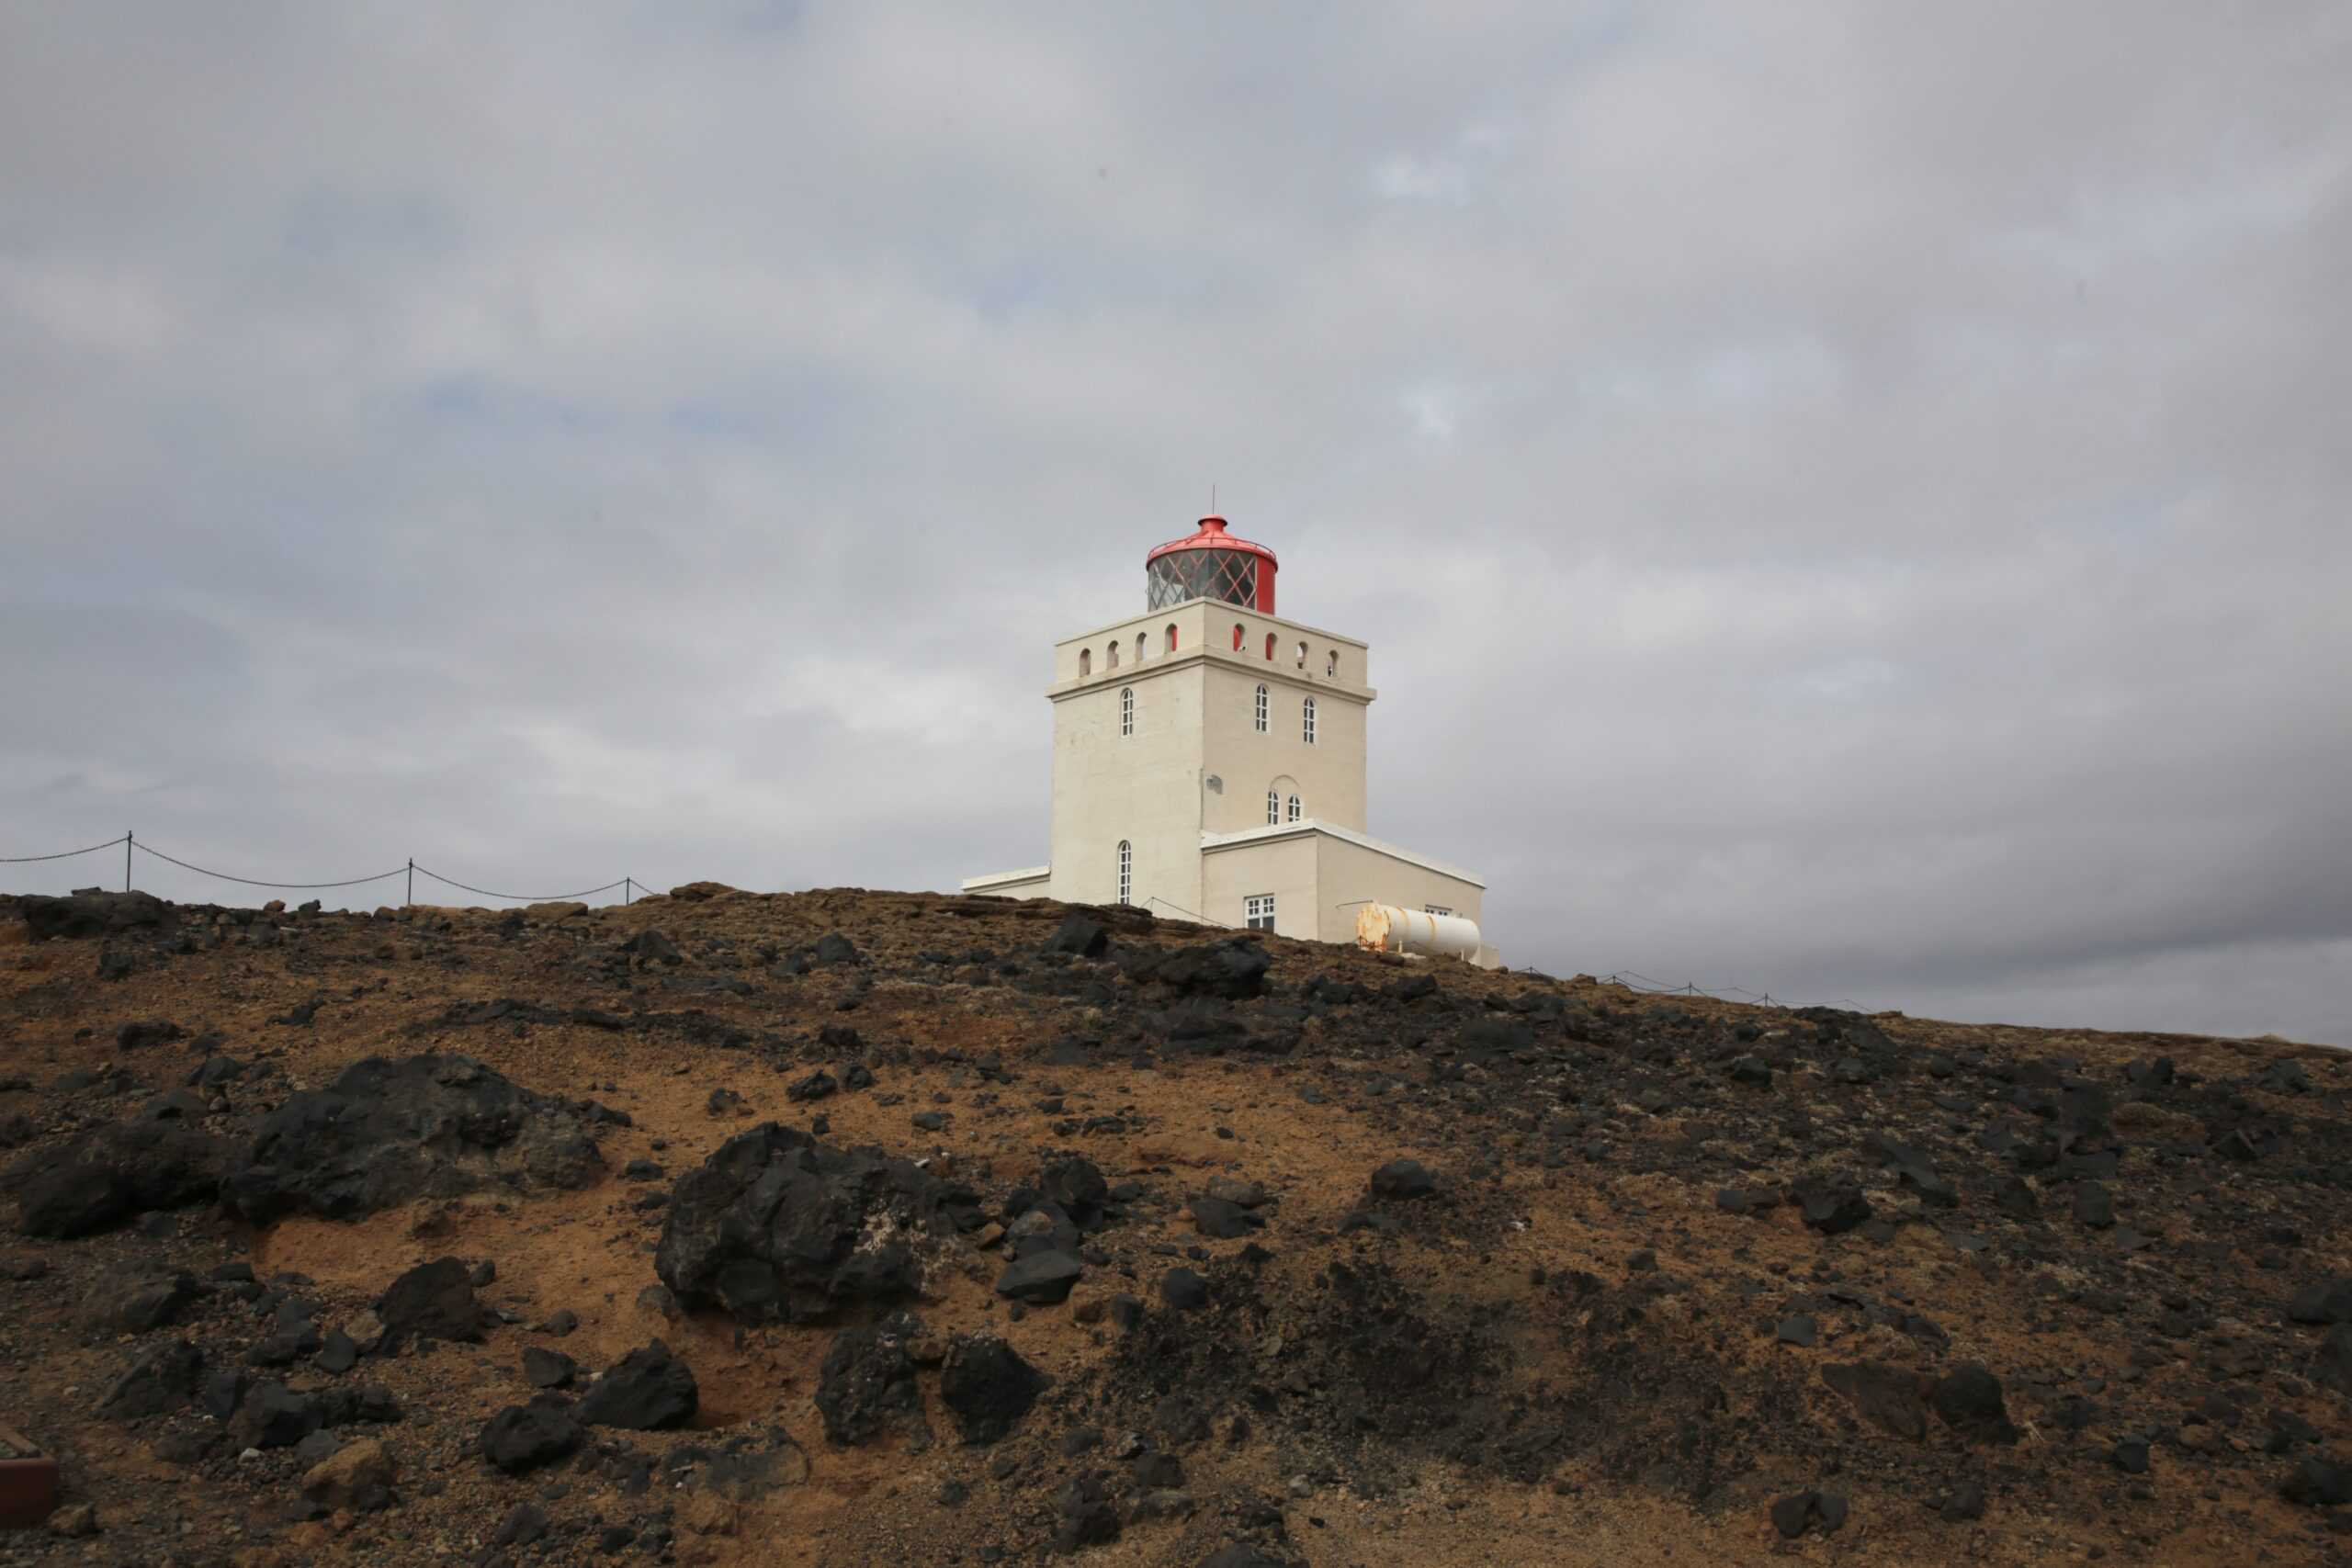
<point>1259,908</point>
<point>1435,909</point>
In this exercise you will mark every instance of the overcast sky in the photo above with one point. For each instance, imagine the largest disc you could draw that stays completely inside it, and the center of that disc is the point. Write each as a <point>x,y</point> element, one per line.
<point>1847,501</point>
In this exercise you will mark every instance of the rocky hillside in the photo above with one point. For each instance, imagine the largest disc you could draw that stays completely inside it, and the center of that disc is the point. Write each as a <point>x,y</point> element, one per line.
<point>852,1227</point>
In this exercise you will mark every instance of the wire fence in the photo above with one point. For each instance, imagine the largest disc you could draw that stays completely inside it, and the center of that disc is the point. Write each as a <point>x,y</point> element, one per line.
<point>409,872</point>
<point>1632,980</point>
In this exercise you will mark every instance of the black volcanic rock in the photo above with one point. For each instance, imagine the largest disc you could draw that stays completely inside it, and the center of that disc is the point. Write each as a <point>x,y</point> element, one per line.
<point>1968,1399</point>
<point>1183,1289</point>
<point>161,1378</point>
<point>1403,1179</point>
<point>1234,970</point>
<point>145,1033</point>
<point>778,1227</point>
<point>1079,934</point>
<point>1040,1278</point>
<point>867,1386</point>
<point>94,913</point>
<point>648,1390</point>
<point>524,1437</point>
<point>1222,1221</point>
<point>2322,1300</point>
<point>432,1300</point>
<point>386,1132</point>
<point>1076,1187</point>
<point>108,1175</point>
<point>1830,1206</point>
<point>543,1368</point>
<point>987,1386</point>
<point>136,1297</point>
<point>1793,1515</point>
<point>2318,1484</point>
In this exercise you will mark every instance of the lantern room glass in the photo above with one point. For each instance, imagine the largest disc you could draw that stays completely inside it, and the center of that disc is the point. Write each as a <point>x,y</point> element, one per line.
<point>1227,575</point>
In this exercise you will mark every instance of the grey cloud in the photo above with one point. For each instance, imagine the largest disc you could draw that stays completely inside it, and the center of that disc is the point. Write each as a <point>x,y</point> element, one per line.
<point>1845,503</point>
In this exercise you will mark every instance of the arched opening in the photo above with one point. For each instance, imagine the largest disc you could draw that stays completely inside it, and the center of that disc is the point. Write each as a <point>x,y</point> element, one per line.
<point>1239,633</point>
<point>1110,657</point>
<point>1085,662</point>
<point>1270,645</point>
<point>1127,710</point>
<point>1284,802</point>
<point>1331,665</point>
<point>1265,701</point>
<point>1307,728</point>
<point>1302,656</point>
<point>1127,869</point>
<point>1171,639</point>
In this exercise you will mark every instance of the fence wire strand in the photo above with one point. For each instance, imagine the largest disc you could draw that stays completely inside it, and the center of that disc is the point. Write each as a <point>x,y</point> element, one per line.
<point>256,881</point>
<point>526,898</point>
<point>1634,981</point>
<point>65,854</point>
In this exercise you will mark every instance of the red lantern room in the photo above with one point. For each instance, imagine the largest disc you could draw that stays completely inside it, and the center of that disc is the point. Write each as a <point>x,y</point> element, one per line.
<point>1211,564</point>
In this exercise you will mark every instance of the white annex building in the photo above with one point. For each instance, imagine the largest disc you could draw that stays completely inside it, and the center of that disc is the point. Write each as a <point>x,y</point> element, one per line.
<point>1209,763</point>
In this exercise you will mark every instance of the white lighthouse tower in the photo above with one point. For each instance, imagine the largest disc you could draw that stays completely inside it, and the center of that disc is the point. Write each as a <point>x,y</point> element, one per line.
<point>1209,763</point>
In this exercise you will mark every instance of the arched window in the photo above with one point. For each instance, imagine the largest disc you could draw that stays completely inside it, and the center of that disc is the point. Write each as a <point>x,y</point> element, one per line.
<point>1294,811</point>
<point>1127,710</point>
<point>1110,657</point>
<point>1269,645</point>
<point>1264,702</point>
<point>1139,647</point>
<point>1085,662</point>
<point>1308,728</point>
<point>1127,869</point>
<point>1302,656</point>
<point>1274,806</point>
<point>1331,665</point>
<point>1237,635</point>
<point>1171,639</point>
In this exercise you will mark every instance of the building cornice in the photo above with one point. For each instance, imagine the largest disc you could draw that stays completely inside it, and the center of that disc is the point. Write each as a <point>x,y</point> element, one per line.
<point>1170,663</point>
<point>1160,617</point>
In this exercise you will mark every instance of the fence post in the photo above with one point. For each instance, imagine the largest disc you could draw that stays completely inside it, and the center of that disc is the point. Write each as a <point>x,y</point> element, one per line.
<point>126,837</point>
<point>626,892</point>
<point>410,897</point>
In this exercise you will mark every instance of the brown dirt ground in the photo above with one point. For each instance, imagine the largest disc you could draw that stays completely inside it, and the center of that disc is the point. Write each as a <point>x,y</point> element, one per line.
<point>590,1252</point>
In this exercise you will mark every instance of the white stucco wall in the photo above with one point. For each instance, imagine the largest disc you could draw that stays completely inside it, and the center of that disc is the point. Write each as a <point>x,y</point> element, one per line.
<point>1144,788</point>
<point>1283,867</point>
<point>1330,774</point>
<point>1318,879</point>
<point>1350,874</point>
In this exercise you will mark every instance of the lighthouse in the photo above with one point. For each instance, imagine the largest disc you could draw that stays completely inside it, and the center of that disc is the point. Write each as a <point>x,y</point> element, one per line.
<point>1209,765</point>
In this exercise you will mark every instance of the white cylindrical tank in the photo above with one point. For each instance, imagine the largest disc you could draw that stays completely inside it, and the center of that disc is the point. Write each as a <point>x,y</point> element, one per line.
<point>1384,927</point>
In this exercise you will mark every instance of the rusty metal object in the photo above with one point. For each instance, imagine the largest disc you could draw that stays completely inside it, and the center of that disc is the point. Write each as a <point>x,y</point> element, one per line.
<point>27,1480</point>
